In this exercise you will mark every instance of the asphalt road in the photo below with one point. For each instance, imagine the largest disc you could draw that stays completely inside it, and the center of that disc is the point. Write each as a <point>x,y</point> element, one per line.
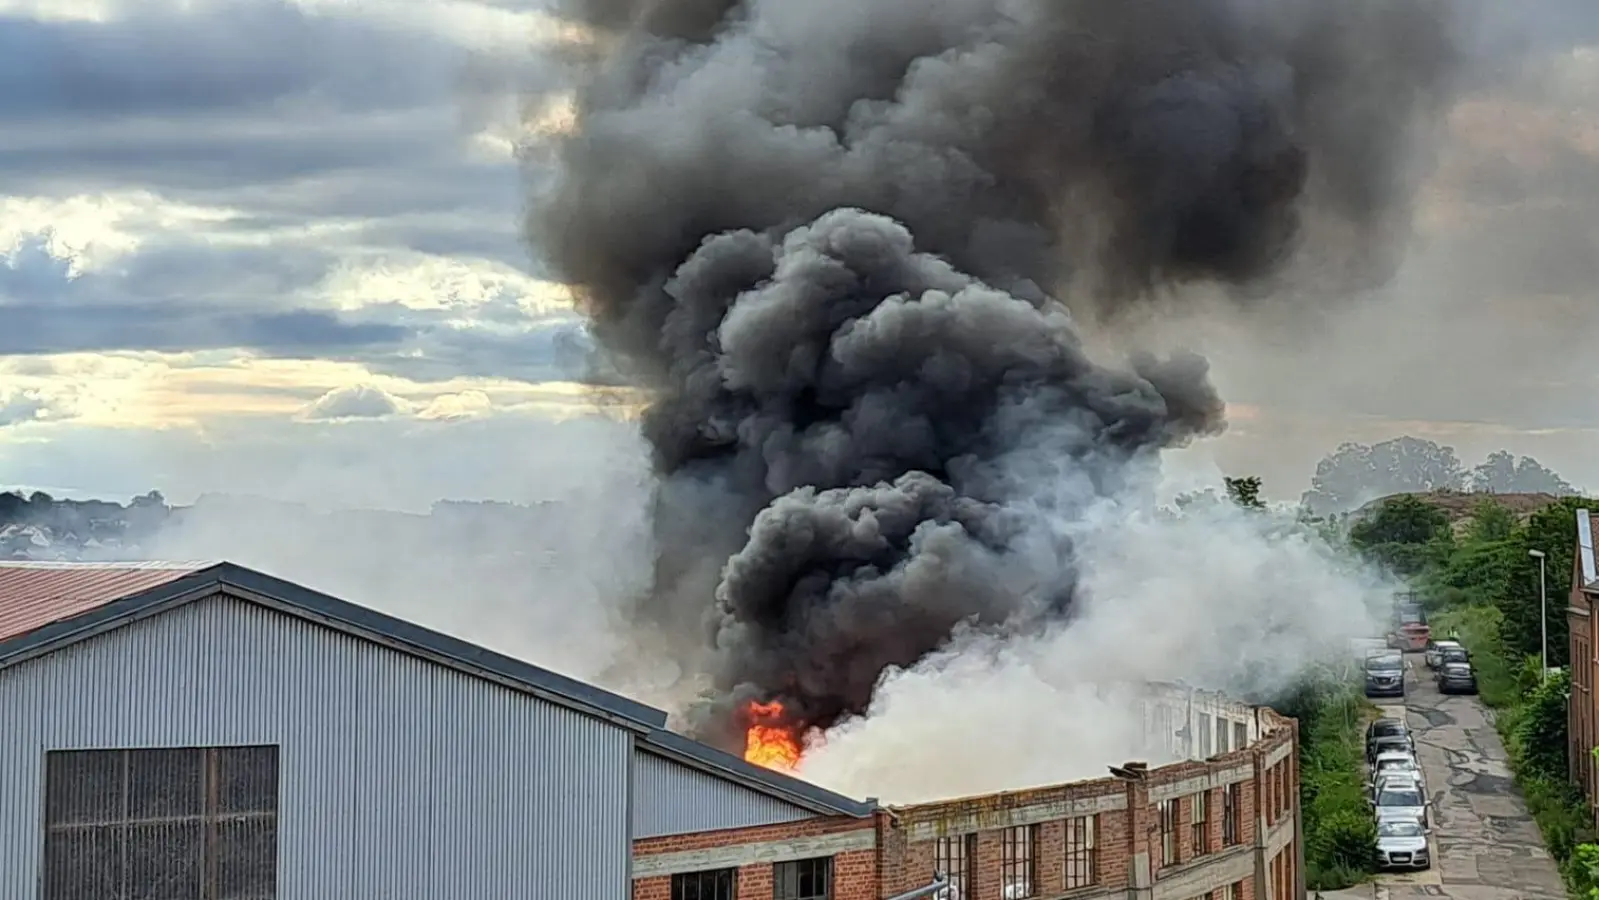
<point>1486,845</point>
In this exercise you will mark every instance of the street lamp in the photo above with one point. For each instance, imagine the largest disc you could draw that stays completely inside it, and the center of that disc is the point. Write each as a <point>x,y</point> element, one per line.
<point>1543,607</point>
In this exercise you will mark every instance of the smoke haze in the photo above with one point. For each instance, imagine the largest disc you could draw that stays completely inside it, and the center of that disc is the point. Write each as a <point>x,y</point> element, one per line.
<point>832,240</point>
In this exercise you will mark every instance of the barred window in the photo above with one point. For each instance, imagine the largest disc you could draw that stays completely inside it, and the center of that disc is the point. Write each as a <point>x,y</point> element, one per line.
<point>1016,858</point>
<point>711,884</point>
<point>803,879</point>
<point>186,822</point>
<point>952,857</point>
<point>1199,823</point>
<point>1168,832</point>
<point>1082,857</point>
<point>1229,815</point>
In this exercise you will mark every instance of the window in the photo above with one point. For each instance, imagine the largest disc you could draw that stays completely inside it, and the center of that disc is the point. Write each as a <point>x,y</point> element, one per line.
<point>1016,861</point>
<point>952,856</point>
<point>1082,863</point>
<point>1287,792</point>
<point>189,822</point>
<point>714,884</point>
<point>1222,733</point>
<point>803,879</point>
<point>1199,823</point>
<point>1231,891</point>
<point>1168,832</point>
<point>1229,815</point>
<point>1240,735</point>
<point>1206,748</point>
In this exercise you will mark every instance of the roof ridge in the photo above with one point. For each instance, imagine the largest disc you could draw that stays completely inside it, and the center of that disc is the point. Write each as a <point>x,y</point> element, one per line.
<point>140,565</point>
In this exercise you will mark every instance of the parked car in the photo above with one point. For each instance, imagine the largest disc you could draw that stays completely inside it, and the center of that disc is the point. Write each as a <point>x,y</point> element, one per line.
<point>1435,648</point>
<point>1394,761</point>
<point>1401,802</point>
<point>1457,678</point>
<point>1398,743</point>
<point>1385,675</point>
<point>1402,844</point>
<point>1397,780</point>
<point>1387,726</point>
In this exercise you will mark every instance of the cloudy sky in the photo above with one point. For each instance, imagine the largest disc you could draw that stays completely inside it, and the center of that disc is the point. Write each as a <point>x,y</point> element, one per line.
<point>270,246</point>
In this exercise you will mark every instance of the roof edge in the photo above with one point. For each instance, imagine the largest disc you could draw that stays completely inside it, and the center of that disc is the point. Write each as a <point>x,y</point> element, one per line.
<point>797,791</point>
<point>250,586</point>
<point>1585,550</point>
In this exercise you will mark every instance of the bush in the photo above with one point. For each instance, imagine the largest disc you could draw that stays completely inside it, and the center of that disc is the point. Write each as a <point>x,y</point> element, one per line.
<point>1339,831</point>
<point>1538,738</point>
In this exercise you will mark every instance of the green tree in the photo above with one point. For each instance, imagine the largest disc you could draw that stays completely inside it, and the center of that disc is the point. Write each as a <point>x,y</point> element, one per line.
<point>1491,521</point>
<point>1406,534</point>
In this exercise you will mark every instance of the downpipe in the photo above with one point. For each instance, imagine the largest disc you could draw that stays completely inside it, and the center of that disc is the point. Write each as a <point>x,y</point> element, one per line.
<point>940,881</point>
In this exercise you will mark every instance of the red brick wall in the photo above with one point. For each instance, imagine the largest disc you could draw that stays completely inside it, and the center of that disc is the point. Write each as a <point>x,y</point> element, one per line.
<point>855,875</point>
<point>899,864</point>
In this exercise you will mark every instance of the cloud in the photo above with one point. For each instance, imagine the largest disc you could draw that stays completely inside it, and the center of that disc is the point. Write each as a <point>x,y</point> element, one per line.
<point>355,402</point>
<point>22,406</point>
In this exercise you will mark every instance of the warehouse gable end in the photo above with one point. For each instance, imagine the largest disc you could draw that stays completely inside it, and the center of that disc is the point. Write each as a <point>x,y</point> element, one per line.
<point>670,797</point>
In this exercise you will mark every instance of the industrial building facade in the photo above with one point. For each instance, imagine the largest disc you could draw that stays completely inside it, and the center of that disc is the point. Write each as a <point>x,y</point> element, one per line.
<point>210,732</point>
<point>1222,828</point>
<point>1582,708</point>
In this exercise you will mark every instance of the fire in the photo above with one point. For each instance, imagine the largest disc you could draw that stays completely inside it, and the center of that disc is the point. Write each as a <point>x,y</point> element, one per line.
<point>769,742</point>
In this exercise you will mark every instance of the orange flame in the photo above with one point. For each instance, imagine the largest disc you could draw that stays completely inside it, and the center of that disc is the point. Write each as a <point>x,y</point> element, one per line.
<point>768,742</point>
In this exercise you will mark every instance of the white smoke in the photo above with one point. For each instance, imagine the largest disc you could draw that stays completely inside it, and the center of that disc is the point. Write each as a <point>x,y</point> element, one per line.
<point>1216,596</point>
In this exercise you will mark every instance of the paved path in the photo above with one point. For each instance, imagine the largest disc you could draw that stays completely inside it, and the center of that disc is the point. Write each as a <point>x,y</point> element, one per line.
<point>1486,845</point>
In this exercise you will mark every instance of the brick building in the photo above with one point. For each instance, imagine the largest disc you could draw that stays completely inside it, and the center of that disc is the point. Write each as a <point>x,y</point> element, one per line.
<point>1221,828</point>
<point>1583,631</point>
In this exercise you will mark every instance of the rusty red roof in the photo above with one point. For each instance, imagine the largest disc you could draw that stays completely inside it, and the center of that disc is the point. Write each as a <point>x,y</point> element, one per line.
<point>34,594</point>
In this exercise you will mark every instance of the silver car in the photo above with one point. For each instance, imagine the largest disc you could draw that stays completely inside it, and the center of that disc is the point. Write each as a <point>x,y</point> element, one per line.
<point>1394,761</point>
<point>1402,844</point>
<point>1401,802</point>
<point>1435,651</point>
<point>1394,780</point>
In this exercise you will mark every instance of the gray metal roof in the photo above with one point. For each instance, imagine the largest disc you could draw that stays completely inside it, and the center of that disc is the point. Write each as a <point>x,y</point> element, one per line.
<point>249,585</point>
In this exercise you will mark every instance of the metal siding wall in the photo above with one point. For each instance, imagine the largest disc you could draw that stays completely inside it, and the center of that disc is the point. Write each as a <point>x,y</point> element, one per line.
<point>670,798</point>
<point>399,777</point>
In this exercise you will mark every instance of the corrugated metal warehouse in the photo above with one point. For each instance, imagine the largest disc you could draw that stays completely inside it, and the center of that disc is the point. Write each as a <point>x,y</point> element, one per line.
<point>210,732</point>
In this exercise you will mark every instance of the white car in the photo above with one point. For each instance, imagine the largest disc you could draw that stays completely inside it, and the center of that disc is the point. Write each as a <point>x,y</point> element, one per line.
<point>1435,651</point>
<point>1394,761</point>
<point>1401,802</point>
<point>1396,780</point>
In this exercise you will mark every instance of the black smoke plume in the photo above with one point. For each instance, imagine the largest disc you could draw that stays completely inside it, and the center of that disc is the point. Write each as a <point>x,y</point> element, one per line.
<point>829,236</point>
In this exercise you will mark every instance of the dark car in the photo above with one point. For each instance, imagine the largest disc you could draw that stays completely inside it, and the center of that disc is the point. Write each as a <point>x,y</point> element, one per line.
<point>1385,675</point>
<point>1457,678</point>
<point>1378,746</point>
<point>1387,726</point>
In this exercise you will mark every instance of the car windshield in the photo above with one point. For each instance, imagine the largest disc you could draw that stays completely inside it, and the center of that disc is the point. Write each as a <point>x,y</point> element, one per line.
<point>1400,829</point>
<point>1399,798</point>
<point>1387,728</point>
<point>1384,663</point>
<point>1384,765</point>
<point>1457,669</point>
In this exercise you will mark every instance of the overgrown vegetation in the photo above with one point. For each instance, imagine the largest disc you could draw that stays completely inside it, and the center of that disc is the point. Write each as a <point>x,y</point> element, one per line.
<point>1481,585</point>
<point>1339,829</point>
